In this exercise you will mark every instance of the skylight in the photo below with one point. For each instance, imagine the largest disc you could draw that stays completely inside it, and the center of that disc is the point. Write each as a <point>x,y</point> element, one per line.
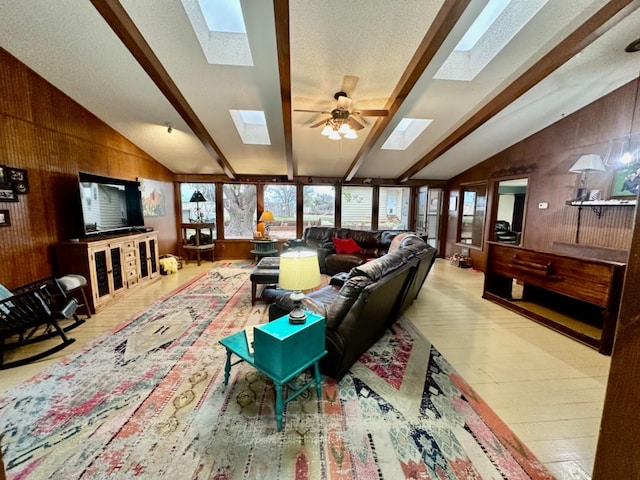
<point>251,126</point>
<point>486,18</point>
<point>220,29</point>
<point>405,133</point>
<point>223,15</point>
<point>492,30</point>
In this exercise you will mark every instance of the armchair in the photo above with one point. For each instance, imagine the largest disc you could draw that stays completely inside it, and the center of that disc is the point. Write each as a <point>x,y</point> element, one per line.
<point>504,234</point>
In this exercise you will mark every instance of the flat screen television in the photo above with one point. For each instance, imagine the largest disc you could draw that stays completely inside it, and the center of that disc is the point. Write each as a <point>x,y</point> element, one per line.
<point>109,205</point>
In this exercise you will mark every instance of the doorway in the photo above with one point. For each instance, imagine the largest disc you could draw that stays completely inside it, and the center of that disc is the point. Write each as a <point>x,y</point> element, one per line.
<point>509,217</point>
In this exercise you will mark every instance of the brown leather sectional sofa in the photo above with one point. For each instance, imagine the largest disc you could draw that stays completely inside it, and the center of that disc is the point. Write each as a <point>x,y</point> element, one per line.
<point>373,295</point>
<point>372,243</point>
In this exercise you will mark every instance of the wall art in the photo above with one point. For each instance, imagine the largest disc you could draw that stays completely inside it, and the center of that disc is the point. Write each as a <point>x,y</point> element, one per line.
<point>18,178</point>
<point>4,218</point>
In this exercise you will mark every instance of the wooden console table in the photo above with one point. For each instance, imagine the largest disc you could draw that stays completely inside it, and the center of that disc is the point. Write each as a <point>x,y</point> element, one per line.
<point>575,296</point>
<point>112,265</point>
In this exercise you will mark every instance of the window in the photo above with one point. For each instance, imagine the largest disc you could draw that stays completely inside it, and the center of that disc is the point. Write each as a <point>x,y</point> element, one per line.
<point>239,210</point>
<point>189,210</point>
<point>393,213</point>
<point>421,210</point>
<point>281,201</point>
<point>319,205</point>
<point>356,207</point>
<point>474,199</point>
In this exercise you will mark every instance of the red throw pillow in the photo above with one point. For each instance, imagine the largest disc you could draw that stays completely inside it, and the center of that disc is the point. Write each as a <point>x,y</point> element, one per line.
<point>346,245</point>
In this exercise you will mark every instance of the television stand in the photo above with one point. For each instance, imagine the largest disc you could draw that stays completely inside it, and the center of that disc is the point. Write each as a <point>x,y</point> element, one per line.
<point>113,266</point>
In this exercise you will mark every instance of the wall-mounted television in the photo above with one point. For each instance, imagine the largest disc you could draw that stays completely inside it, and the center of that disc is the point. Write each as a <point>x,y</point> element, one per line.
<point>109,205</point>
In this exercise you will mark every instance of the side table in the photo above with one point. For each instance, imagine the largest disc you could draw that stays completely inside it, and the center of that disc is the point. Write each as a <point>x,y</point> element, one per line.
<point>281,352</point>
<point>196,246</point>
<point>264,248</point>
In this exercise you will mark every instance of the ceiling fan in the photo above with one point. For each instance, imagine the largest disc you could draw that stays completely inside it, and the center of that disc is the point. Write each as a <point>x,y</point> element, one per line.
<point>341,119</point>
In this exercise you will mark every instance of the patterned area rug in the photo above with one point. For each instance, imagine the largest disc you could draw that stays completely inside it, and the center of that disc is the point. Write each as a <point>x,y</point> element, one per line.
<point>147,402</point>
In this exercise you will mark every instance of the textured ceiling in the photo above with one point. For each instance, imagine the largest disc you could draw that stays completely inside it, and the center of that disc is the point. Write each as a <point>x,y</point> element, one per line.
<point>394,53</point>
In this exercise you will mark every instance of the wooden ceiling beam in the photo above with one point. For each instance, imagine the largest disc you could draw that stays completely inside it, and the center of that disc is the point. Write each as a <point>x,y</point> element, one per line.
<point>281,14</point>
<point>445,20</point>
<point>117,18</point>
<point>596,26</point>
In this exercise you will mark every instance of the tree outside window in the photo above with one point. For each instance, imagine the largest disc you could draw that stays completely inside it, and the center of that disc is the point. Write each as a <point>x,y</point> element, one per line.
<point>319,205</point>
<point>240,207</point>
<point>281,201</point>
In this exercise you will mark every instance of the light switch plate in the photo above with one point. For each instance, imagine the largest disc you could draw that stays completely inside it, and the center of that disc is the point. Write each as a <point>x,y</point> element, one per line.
<point>543,205</point>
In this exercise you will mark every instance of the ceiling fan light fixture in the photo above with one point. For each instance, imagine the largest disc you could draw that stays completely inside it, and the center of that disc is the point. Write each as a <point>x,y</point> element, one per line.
<point>326,131</point>
<point>344,129</point>
<point>334,135</point>
<point>351,134</point>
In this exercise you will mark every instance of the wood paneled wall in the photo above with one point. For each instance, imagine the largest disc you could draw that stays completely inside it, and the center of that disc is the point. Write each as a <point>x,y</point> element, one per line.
<point>550,153</point>
<point>52,137</point>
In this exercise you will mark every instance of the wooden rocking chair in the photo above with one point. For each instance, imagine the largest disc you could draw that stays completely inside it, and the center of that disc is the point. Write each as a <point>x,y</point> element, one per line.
<point>31,314</point>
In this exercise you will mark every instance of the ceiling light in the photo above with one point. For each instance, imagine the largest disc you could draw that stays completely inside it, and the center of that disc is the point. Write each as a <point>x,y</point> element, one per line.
<point>351,134</point>
<point>326,131</point>
<point>334,135</point>
<point>344,128</point>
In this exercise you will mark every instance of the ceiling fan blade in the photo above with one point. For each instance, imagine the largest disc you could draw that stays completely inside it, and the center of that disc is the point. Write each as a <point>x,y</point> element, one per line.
<point>349,83</point>
<point>309,111</point>
<point>372,113</point>
<point>321,122</point>
<point>355,124</point>
<point>344,102</point>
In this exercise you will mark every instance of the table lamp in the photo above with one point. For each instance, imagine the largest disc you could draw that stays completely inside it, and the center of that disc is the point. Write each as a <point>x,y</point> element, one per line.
<point>198,197</point>
<point>299,270</point>
<point>265,218</point>
<point>584,165</point>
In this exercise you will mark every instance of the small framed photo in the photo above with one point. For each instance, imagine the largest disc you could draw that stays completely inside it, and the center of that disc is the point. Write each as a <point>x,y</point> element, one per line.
<point>4,218</point>
<point>18,178</point>
<point>7,193</point>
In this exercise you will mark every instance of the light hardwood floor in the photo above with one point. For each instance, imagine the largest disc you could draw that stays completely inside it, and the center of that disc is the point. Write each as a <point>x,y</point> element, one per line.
<point>548,388</point>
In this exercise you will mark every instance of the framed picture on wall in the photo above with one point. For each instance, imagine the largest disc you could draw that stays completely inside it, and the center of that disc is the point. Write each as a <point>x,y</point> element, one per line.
<point>626,182</point>
<point>4,218</point>
<point>18,178</point>
<point>7,193</point>
<point>154,199</point>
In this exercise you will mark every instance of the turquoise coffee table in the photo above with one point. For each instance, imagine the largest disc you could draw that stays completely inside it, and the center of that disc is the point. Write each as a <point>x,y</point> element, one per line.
<point>281,352</point>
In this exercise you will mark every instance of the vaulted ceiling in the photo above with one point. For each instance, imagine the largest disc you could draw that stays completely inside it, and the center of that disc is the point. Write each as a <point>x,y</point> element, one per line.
<point>138,66</point>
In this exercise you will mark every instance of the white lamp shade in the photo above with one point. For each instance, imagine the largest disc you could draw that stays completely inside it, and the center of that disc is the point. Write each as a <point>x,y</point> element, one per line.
<point>326,131</point>
<point>588,163</point>
<point>334,135</point>
<point>299,270</point>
